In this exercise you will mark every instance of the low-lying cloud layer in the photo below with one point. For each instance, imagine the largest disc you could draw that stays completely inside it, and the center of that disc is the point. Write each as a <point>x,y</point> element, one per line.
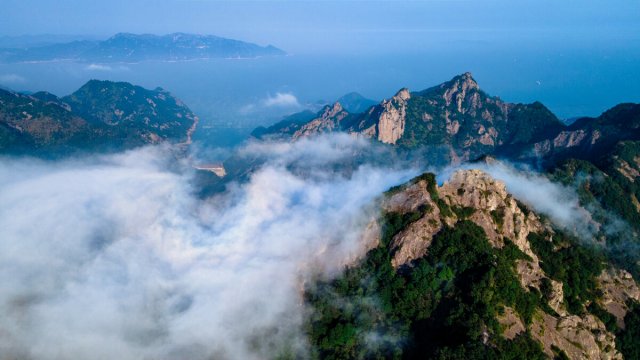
<point>113,258</point>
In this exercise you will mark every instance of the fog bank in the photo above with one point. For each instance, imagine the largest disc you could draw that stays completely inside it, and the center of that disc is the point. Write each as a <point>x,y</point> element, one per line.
<point>113,258</point>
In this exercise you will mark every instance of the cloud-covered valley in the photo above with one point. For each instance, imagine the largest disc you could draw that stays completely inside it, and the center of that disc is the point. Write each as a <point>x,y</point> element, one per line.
<point>112,257</point>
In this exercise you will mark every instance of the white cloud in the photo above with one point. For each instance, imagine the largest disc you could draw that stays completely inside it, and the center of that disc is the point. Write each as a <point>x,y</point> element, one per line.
<point>105,68</point>
<point>98,67</point>
<point>12,79</point>
<point>281,100</point>
<point>113,258</point>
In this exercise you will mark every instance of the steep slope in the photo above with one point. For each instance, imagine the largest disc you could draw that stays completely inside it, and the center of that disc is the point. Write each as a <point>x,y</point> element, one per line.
<point>284,128</point>
<point>384,122</point>
<point>609,187</point>
<point>455,114</point>
<point>459,114</point>
<point>304,124</point>
<point>465,271</point>
<point>102,115</point>
<point>589,138</point>
<point>329,119</point>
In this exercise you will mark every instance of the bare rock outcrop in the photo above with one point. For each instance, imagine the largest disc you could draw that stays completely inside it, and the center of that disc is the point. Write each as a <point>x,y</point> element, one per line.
<point>476,196</point>
<point>627,171</point>
<point>386,121</point>
<point>392,119</point>
<point>617,286</point>
<point>498,214</point>
<point>495,211</point>
<point>579,337</point>
<point>458,89</point>
<point>412,242</point>
<point>511,323</point>
<point>556,298</point>
<point>328,121</point>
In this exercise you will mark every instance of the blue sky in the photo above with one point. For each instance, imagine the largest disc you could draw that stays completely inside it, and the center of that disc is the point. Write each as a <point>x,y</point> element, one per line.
<point>308,26</point>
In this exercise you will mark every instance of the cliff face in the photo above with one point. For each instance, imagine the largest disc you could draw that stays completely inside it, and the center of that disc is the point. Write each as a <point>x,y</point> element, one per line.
<point>420,226</point>
<point>386,121</point>
<point>460,115</point>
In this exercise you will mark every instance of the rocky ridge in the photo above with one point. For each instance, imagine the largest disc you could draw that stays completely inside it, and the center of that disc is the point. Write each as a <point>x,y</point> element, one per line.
<point>329,120</point>
<point>476,196</point>
<point>456,114</point>
<point>386,121</point>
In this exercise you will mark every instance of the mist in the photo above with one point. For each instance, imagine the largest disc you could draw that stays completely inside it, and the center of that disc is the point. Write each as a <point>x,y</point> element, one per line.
<point>558,202</point>
<point>113,257</point>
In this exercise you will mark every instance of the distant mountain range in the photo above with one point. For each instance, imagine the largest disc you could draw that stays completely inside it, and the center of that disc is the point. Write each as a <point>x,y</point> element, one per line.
<point>459,116</point>
<point>100,116</point>
<point>125,47</point>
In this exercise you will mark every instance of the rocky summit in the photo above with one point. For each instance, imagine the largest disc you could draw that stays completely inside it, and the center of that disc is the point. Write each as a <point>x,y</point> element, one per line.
<point>465,270</point>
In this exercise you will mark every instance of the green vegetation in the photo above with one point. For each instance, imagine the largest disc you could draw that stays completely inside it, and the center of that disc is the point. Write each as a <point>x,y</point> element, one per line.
<point>559,353</point>
<point>609,196</point>
<point>531,122</point>
<point>463,212</point>
<point>606,317</point>
<point>596,185</point>
<point>440,307</point>
<point>100,116</point>
<point>498,217</point>
<point>575,265</point>
<point>627,341</point>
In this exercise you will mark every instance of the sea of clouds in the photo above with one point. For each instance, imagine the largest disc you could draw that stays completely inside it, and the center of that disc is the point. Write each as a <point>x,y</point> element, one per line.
<point>113,257</point>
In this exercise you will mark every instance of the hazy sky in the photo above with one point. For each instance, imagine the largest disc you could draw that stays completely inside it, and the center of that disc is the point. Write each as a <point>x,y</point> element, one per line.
<point>305,26</point>
<point>577,57</point>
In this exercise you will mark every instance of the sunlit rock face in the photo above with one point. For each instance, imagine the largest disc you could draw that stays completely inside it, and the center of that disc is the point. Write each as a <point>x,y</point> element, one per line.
<point>476,196</point>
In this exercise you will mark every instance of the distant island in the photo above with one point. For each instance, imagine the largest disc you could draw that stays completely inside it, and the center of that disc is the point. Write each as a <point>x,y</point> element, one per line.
<point>126,47</point>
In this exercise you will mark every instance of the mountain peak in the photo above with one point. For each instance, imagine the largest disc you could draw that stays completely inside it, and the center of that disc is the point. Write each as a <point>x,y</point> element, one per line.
<point>402,94</point>
<point>331,110</point>
<point>464,82</point>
